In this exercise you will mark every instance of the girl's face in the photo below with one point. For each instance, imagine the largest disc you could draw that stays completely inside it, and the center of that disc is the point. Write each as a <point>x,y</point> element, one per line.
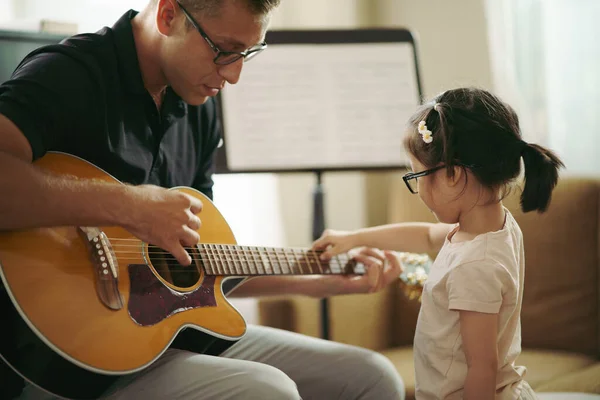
<point>440,193</point>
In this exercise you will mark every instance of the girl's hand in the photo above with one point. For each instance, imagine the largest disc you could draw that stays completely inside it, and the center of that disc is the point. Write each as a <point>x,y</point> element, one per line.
<point>333,243</point>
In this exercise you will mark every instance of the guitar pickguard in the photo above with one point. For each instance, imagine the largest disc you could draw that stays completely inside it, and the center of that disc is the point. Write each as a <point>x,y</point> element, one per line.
<point>151,301</point>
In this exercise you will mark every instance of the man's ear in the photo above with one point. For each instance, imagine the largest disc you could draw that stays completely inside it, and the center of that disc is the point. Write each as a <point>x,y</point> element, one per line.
<point>166,11</point>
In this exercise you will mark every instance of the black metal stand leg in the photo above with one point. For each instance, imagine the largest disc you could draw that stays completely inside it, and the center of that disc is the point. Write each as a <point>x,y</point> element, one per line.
<point>318,228</point>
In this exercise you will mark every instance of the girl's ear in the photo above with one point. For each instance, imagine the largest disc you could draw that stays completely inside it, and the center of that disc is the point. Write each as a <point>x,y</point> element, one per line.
<point>459,176</point>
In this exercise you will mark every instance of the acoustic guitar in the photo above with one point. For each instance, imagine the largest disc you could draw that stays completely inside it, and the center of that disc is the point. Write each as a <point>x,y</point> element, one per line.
<point>99,303</point>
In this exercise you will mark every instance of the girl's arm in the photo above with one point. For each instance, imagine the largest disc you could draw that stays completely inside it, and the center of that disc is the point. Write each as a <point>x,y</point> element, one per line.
<point>479,335</point>
<point>416,237</point>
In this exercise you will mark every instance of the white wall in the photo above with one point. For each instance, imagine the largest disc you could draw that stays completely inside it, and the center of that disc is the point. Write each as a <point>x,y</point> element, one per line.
<point>452,39</point>
<point>90,15</point>
<point>6,10</point>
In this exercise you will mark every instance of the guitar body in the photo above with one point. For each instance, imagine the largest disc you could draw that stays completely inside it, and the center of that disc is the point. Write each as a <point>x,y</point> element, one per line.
<point>52,284</point>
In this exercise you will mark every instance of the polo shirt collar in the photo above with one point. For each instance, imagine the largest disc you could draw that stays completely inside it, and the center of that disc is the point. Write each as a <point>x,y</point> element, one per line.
<point>127,54</point>
<point>129,62</point>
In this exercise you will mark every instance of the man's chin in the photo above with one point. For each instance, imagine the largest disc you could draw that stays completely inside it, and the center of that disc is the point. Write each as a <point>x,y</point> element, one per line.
<point>196,100</point>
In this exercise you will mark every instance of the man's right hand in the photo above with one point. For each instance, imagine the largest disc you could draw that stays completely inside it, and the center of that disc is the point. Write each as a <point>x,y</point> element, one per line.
<point>164,218</point>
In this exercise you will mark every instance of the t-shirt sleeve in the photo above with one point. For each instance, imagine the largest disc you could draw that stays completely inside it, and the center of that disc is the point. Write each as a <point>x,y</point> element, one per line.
<point>211,131</point>
<point>42,96</point>
<point>478,286</point>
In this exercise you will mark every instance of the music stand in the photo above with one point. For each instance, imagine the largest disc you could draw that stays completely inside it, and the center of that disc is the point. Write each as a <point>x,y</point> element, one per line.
<point>321,100</point>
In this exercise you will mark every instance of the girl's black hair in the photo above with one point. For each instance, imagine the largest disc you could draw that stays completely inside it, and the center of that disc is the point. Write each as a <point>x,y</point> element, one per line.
<point>474,128</point>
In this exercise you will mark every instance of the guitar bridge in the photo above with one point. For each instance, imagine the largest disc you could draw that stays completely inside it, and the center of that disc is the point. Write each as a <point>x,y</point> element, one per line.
<point>106,268</point>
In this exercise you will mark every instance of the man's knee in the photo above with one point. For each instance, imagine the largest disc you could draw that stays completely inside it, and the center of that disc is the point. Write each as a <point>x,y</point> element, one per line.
<point>386,382</point>
<point>265,383</point>
<point>373,375</point>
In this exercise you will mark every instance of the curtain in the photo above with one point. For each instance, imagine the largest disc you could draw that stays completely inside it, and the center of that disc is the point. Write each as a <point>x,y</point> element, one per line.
<point>545,61</point>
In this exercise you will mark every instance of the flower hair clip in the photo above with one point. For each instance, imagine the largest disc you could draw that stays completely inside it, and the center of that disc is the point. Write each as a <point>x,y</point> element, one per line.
<point>425,133</point>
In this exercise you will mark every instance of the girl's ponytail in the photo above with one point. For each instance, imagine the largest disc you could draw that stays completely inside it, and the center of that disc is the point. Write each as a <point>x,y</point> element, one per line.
<point>541,176</point>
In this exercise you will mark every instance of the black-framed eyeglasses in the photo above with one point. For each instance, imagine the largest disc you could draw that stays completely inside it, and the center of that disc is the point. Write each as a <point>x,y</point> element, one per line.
<point>411,178</point>
<point>224,57</point>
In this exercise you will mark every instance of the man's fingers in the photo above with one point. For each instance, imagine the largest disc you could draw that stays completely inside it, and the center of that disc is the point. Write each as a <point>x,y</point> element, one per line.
<point>373,267</point>
<point>181,255</point>
<point>375,253</point>
<point>190,237</point>
<point>196,205</point>
<point>393,260</point>
<point>194,223</point>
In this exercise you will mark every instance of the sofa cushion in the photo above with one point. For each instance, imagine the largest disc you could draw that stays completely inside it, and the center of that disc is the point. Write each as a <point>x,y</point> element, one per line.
<point>568,396</point>
<point>561,299</point>
<point>543,367</point>
<point>402,358</point>
<point>586,380</point>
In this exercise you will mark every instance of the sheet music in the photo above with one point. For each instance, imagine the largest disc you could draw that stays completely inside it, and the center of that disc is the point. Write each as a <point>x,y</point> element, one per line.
<point>305,106</point>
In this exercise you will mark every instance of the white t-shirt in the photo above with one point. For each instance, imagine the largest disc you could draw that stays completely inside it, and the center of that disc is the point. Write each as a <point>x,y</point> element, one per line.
<point>484,275</point>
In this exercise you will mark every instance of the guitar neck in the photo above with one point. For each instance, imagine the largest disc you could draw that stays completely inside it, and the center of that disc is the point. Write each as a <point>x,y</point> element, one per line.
<point>233,260</point>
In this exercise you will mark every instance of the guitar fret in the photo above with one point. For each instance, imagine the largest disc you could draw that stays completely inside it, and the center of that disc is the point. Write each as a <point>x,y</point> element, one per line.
<point>264,261</point>
<point>330,266</point>
<point>242,268</point>
<point>282,266</point>
<point>255,255</point>
<point>211,257</point>
<point>231,259</point>
<point>342,262</point>
<point>248,261</point>
<point>316,257</point>
<point>218,259</point>
<point>298,262</point>
<point>223,259</point>
<point>233,262</point>
<point>301,261</point>
<point>272,262</point>
<point>291,262</point>
<point>310,261</point>
<point>208,268</point>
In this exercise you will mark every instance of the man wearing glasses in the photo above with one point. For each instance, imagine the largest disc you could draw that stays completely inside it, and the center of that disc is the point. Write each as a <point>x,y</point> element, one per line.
<point>137,100</point>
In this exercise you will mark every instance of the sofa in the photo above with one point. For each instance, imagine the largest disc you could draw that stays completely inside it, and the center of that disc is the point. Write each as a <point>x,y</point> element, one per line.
<point>561,305</point>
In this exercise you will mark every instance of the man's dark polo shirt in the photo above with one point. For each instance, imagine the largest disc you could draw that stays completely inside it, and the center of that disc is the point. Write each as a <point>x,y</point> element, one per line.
<point>86,97</point>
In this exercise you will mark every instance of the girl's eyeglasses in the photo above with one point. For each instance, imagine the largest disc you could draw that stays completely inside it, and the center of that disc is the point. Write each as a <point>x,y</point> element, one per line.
<point>411,178</point>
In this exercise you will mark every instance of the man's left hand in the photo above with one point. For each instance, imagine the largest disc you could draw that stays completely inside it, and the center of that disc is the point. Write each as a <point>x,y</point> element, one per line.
<point>382,268</point>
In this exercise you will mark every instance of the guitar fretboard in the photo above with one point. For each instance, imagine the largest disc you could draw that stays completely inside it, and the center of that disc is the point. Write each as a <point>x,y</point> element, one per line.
<point>233,260</point>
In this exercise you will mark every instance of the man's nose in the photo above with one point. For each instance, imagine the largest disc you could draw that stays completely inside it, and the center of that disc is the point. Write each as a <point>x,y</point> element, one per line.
<point>231,72</point>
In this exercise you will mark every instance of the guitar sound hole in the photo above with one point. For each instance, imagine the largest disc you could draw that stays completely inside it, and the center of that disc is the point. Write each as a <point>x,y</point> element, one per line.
<point>171,271</point>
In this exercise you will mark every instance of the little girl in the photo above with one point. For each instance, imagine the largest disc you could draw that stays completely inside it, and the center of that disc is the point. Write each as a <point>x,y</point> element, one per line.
<point>465,150</point>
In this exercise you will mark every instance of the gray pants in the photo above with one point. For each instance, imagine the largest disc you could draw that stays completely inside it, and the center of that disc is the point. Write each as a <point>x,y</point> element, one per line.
<point>265,364</point>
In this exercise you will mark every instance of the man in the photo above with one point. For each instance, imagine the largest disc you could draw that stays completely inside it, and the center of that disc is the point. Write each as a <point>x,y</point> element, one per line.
<point>137,100</point>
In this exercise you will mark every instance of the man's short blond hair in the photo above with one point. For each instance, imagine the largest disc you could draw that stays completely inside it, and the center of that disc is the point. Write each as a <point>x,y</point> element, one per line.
<point>212,7</point>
